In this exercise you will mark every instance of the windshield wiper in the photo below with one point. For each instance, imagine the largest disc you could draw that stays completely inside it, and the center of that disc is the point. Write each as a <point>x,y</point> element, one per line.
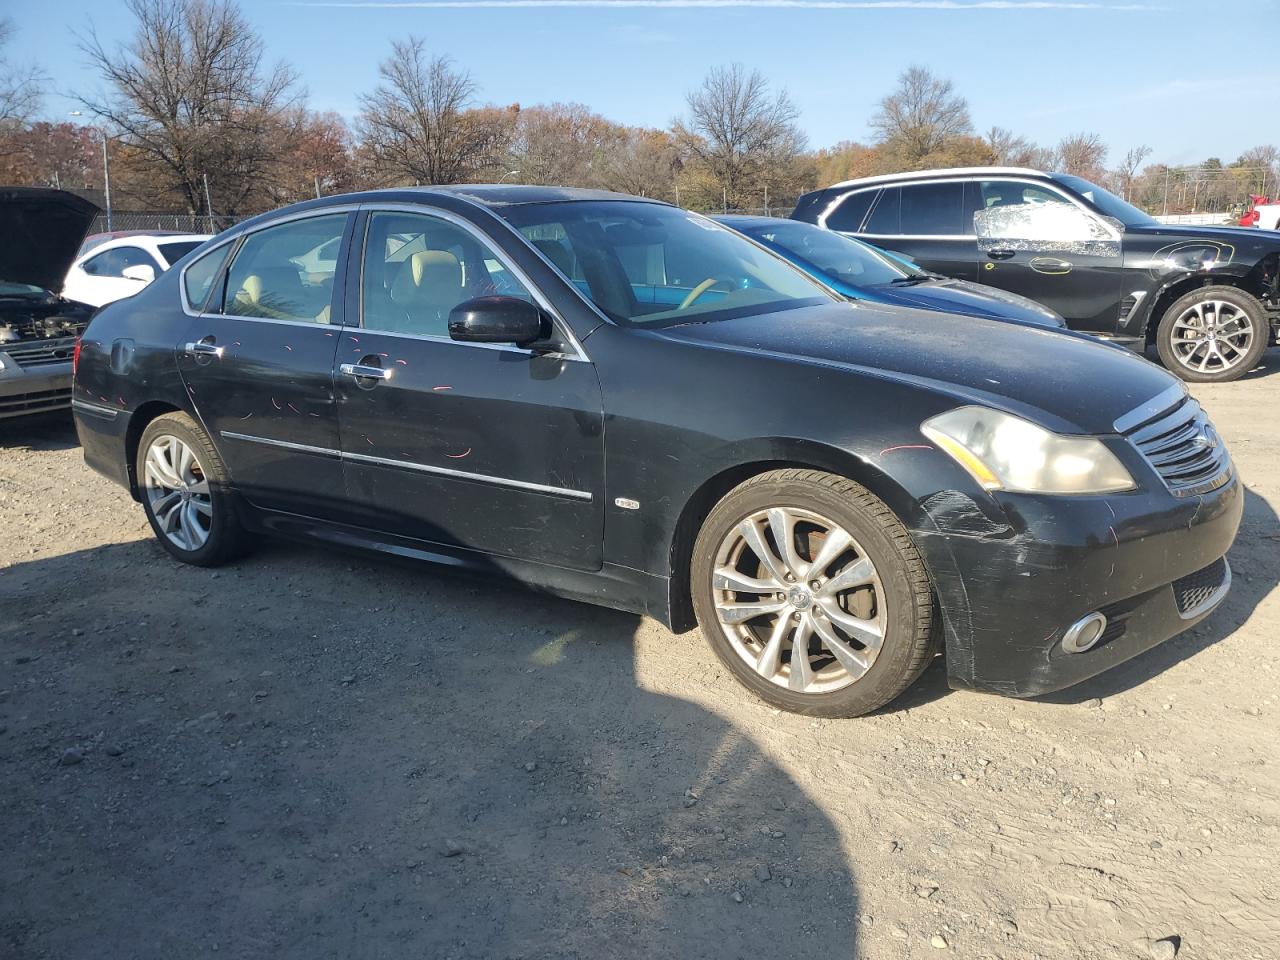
<point>910,281</point>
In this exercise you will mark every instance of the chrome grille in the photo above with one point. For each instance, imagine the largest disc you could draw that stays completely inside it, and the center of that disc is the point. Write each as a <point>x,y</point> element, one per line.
<point>1183,447</point>
<point>41,352</point>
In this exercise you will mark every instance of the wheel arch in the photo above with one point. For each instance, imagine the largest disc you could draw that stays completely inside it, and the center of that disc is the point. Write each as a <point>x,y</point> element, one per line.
<point>138,422</point>
<point>1254,283</point>
<point>781,454</point>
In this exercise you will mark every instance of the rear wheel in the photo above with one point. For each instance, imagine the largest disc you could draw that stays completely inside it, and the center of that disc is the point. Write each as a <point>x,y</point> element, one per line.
<point>1213,335</point>
<point>812,594</point>
<point>185,493</point>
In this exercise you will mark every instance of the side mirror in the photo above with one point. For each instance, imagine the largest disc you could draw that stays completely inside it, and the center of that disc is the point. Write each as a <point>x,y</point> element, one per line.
<point>142,272</point>
<point>497,320</point>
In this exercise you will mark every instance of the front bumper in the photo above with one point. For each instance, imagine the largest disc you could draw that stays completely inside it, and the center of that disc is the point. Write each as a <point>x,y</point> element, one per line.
<point>25,391</point>
<point>1013,575</point>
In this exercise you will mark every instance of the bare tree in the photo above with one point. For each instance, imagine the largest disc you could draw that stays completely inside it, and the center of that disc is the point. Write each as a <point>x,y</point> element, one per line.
<point>1009,149</point>
<point>21,86</point>
<point>645,162</point>
<point>1127,172</point>
<point>1082,155</point>
<point>742,135</point>
<point>190,97</point>
<point>418,121</point>
<point>563,143</point>
<point>921,115</point>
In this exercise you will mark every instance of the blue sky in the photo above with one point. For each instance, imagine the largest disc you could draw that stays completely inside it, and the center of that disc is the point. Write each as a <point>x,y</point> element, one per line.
<point>1189,79</point>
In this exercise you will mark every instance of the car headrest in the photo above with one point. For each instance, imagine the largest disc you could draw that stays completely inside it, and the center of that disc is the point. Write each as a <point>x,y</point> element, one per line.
<point>428,272</point>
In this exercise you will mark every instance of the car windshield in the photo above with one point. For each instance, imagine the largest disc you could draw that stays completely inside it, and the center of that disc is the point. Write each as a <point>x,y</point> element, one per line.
<point>1106,202</point>
<point>845,259</point>
<point>22,290</point>
<point>651,265</point>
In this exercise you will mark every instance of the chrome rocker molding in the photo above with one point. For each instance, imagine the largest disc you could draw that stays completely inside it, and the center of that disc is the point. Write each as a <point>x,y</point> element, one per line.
<point>409,465</point>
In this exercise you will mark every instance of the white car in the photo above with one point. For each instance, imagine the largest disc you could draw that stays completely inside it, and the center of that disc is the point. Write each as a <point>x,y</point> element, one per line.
<point>124,265</point>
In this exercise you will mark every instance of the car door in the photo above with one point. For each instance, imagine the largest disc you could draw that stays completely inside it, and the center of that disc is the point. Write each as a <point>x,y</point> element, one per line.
<point>1035,241</point>
<point>929,222</point>
<point>483,446</point>
<point>100,279</point>
<point>257,361</point>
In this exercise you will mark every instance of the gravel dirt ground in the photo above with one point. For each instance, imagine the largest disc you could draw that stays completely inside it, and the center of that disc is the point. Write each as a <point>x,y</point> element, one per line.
<point>312,755</point>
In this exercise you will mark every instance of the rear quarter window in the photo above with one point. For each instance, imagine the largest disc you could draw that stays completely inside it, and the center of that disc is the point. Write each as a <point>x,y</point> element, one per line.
<point>201,273</point>
<point>847,217</point>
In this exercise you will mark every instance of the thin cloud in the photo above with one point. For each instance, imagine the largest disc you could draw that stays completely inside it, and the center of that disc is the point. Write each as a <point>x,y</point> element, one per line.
<point>728,4</point>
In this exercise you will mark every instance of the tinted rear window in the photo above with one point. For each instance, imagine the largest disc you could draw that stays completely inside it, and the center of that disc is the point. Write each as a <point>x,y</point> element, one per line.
<point>848,216</point>
<point>173,252</point>
<point>885,217</point>
<point>933,209</point>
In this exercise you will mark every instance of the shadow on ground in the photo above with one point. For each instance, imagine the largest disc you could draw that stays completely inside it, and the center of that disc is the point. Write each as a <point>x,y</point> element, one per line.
<point>312,755</point>
<point>46,431</point>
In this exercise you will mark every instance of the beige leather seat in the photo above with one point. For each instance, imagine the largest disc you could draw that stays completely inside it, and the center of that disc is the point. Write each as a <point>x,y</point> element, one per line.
<point>428,285</point>
<point>276,294</point>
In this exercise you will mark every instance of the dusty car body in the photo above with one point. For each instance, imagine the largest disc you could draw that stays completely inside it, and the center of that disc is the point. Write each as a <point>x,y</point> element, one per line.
<point>613,400</point>
<point>40,231</point>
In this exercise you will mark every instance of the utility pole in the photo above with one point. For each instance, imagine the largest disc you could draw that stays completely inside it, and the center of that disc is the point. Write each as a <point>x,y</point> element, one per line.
<point>106,168</point>
<point>208,204</point>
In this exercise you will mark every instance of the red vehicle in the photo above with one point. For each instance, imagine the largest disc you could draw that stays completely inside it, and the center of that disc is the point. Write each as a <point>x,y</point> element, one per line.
<point>1263,212</point>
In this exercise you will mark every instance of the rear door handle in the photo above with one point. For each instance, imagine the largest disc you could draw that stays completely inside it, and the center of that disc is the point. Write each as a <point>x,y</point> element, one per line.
<point>1001,253</point>
<point>361,371</point>
<point>202,349</point>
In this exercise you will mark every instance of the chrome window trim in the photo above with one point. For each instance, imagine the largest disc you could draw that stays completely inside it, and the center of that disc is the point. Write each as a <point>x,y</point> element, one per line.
<point>584,495</point>
<point>1047,185</point>
<point>427,210</point>
<point>241,232</point>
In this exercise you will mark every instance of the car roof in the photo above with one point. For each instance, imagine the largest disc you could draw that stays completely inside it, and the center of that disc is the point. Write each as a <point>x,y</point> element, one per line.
<point>132,238</point>
<point>943,172</point>
<point>513,194</point>
<point>747,220</point>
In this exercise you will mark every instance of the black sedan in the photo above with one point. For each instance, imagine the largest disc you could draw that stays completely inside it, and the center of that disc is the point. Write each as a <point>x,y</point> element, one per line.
<point>616,400</point>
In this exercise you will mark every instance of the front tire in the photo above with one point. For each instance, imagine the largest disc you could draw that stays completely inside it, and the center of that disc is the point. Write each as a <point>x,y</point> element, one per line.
<point>812,594</point>
<point>186,493</point>
<point>1213,335</point>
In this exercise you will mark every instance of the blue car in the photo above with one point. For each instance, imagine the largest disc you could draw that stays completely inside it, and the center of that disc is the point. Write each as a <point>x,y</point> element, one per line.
<point>863,272</point>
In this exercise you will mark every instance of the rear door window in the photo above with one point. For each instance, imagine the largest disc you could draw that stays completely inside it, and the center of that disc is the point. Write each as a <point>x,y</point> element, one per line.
<point>885,220</point>
<point>112,263</point>
<point>280,272</point>
<point>200,275</point>
<point>933,210</point>
<point>847,217</point>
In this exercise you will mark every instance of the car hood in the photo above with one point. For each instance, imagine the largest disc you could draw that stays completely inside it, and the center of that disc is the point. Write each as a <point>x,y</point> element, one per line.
<point>974,299</point>
<point>1067,382</point>
<point>40,233</point>
<point>1225,234</point>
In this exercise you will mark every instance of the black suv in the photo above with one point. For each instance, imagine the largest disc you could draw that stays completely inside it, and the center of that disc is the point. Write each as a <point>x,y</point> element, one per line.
<point>1207,297</point>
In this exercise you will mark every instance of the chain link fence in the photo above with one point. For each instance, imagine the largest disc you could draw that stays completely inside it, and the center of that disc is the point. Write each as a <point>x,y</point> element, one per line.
<point>158,220</point>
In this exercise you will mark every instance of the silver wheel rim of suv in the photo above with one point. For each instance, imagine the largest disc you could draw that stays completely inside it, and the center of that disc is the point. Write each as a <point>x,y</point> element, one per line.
<point>178,492</point>
<point>1212,336</point>
<point>799,600</point>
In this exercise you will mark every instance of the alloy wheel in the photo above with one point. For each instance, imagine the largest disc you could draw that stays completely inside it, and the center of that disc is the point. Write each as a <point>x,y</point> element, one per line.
<point>178,492</point>
<point>1212,336</point>
<point>799,600</point>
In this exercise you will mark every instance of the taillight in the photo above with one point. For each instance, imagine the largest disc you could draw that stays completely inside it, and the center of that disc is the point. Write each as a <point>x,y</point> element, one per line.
<point>75,358</point>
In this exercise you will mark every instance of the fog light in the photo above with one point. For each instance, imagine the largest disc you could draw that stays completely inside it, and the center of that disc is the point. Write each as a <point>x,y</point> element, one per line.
<point>1084,633</point>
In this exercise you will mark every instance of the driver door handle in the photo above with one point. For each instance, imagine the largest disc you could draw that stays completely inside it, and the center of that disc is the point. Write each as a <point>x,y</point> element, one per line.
<point>1001,253</point>
<point>202,349</point>
<point>360,371</point>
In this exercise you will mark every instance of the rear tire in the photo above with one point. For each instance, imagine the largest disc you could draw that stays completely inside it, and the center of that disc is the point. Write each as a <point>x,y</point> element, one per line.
<point>852,589</point>
<point>1213,335</point>
<point>186,493</point>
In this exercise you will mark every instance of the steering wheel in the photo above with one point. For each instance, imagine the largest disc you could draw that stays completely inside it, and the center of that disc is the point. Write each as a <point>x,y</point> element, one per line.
<point>693,295</point>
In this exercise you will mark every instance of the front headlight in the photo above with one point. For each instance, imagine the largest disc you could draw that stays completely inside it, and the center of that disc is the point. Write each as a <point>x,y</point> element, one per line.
<point>1004,452</point>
